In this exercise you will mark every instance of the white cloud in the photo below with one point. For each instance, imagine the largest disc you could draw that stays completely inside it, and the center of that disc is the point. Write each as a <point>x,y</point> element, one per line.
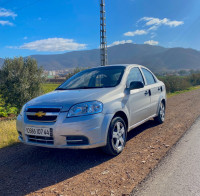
<point>52,45</point>
<point>151,42</point>
<point>25,37</point>
<point>5,22</point>
<point>7,13</point>
<point>154,23</point>
<point>137,32</point>
<point>120,42</point>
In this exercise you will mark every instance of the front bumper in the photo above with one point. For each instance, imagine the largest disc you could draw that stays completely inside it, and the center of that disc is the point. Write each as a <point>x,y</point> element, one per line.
<point>92,127</point>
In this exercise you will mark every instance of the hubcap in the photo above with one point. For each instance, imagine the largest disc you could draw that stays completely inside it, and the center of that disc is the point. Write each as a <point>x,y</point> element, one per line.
<point>162,111</point>
<point>119,136</point>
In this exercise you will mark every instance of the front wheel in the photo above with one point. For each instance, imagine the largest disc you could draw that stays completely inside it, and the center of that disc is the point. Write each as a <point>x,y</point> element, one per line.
<point>161,115</point>
<point>116,138</point>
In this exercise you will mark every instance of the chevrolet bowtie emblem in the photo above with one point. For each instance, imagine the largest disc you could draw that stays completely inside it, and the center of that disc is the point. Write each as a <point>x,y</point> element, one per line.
<point>40,114</point>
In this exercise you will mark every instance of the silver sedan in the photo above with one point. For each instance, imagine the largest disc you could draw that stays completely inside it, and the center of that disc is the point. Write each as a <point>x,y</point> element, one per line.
<point>94,108</point>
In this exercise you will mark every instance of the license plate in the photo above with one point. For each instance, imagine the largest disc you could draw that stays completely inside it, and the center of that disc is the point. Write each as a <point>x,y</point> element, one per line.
<point>45,132</point>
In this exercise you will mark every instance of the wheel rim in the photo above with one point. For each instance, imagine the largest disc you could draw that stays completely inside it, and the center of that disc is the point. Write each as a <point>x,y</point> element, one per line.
<point>162,112</point>
<point>119,136</point>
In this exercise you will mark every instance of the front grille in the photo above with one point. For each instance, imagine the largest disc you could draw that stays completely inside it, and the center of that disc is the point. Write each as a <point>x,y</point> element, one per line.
<point>41,140</point>
<point>48,114</point>
<point>43,109</point>
<point>77,140</point>
<point>42,119</point>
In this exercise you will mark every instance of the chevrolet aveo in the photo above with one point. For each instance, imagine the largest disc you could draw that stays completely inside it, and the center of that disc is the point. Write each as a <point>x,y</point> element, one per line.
<point>94,108</point>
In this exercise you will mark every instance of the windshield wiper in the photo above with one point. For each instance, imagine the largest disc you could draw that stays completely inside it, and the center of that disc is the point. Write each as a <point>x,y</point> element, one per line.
<point>61,89</point>
<point>84,87</point>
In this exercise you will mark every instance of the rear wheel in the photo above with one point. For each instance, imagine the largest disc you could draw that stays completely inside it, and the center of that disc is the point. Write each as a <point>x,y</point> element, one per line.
<point>161,115</point>
<point>116,138</point>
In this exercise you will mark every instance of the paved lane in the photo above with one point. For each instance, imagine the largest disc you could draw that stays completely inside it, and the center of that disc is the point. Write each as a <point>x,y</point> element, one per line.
<point>179,173</point>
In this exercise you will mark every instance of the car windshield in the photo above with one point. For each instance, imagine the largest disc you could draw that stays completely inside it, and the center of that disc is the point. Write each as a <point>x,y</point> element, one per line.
<point>102,77</point>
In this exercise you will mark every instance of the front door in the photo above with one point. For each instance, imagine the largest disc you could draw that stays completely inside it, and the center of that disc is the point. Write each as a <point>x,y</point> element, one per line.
<point>139,99</point>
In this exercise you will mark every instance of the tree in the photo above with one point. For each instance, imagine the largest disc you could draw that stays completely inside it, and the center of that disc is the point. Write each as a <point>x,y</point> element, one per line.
<point>20,81</point>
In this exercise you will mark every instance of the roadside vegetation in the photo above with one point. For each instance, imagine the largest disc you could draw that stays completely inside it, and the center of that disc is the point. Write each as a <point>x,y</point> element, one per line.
<point>180,83</point>
<point>8,133</point>
<point>183,91</point>
<point>48,87</point>
<point>20,81</point>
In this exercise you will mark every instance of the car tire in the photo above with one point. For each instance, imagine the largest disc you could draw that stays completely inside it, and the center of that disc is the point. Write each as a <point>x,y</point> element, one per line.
<point>116,138</point>
<point>161,114</point>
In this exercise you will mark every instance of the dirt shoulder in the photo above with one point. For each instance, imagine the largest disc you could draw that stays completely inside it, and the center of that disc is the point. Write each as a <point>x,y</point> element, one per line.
<point>38,171</point>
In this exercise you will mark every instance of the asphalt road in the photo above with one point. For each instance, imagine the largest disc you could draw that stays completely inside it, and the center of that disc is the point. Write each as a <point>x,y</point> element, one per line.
<point>179,173</point>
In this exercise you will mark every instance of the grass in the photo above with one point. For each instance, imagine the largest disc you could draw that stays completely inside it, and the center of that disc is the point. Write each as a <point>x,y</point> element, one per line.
<point>48,87</point>
<point>9,135</point>
<point>184,91</point>
<point>8,132</point>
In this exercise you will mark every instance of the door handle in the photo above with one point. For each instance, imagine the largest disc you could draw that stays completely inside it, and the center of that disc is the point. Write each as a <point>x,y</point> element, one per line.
<point>160,88</point>
<point>147,93</point>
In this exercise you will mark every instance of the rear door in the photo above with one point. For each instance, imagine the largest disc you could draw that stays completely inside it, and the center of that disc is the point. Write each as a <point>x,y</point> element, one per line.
<point>139,99</point>
<point>155,90</point>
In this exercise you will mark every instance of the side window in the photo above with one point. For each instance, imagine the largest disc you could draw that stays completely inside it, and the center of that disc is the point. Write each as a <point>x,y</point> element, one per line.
<point>134,75</point>
<point>149,77</point>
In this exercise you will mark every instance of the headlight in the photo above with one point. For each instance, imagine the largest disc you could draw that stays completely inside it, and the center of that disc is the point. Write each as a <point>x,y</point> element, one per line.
<point>85,108</point>
<point>22,110</point>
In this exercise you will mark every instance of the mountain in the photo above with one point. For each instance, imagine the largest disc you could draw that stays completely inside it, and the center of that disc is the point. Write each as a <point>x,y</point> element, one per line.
<point>156,58</point>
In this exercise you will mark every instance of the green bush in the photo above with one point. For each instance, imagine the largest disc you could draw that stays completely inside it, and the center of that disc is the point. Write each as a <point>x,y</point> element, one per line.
<point>3,112</point>
<point>6,111</point>
<point>20,81</point>
<point>194,79</point>
<point>12,110</point>
<point>175,83</point>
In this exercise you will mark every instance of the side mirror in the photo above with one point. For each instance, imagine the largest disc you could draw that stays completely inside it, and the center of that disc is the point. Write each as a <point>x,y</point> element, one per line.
<point>136,85</point>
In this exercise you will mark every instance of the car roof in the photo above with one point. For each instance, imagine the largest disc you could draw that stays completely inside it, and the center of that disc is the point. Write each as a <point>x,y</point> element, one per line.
<point>128,65</point>
<point>125,65</point>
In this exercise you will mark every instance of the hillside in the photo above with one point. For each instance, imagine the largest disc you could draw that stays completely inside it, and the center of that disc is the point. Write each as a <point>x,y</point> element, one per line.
<point>155,57</point>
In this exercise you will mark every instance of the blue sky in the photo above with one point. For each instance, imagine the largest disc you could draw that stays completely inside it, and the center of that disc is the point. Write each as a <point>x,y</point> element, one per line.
<point>48,26</point>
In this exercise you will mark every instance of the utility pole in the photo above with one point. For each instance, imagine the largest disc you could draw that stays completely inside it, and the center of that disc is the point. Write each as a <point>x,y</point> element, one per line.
<point>103,38</point>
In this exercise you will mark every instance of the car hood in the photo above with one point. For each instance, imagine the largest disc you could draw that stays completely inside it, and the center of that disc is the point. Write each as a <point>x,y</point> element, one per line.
<point>67,98</point>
